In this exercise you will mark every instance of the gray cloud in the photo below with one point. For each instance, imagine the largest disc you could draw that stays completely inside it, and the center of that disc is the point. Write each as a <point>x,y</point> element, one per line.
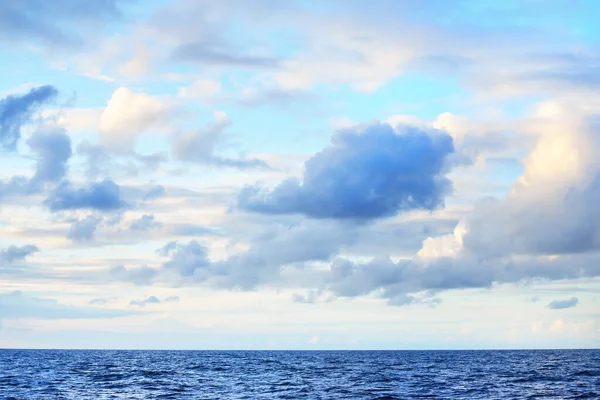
<point>17,110</point>
<point>192,230</point>
<point>155,192</point>
<point>53,151</point>
<point>145,223</point>
<point>199,146</point>
<point>13,254</point>
<point>83,230</point>
<point>103,196</point>
<point>562,304</point>
<point>59,22</point>
<point>143,275</point>
<point>220,55</point>
<point>153,300</point>
<point>364,174</point>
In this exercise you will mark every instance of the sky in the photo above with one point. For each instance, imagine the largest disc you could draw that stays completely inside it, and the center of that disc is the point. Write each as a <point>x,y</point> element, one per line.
<point>267,174</point>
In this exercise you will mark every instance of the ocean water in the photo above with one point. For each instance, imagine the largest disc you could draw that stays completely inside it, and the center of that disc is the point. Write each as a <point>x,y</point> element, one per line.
<point>105,374</point>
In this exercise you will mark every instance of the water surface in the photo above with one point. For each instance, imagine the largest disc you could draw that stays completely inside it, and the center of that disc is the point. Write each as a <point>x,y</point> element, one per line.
<point>106,374</point>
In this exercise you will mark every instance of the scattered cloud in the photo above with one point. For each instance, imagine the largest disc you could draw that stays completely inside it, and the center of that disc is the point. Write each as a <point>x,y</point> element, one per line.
<point>18,110</point>
<point>145,223</point>
<point>101,196</point>
<point>199,146</point>
<point>14,254</point>
<point>153,300</point>
<point>562,304</point>
<point>83,230</point>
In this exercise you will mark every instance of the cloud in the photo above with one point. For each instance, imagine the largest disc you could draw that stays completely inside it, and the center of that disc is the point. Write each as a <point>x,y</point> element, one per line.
<point>366,173</point>
<point>201,89</point>
<point>155,192</point>
<point>199,145</point>
<point>83,230</point>
<point>101,196</point>
<point>145,302</point>
<point>144,223</point>
<point>153,300</point>
<point>13,253</point>
<point>60,22</point>
<point>186,259</point>
<point>18,110</point>
<point>562,304</point>
<point>97,159</point>
<point>129,114</point>
<point>143,275</point>
<point>409,281</point>
<point>192,230</point>
<point>101,162</point>
<point>53,151</point>
<point>20,305</point>
<point>265,258</point>
<point>220,55</point>
<point>551,208</point>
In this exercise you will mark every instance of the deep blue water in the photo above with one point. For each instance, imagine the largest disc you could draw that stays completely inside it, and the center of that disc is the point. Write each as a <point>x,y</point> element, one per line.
<point>95,374</point>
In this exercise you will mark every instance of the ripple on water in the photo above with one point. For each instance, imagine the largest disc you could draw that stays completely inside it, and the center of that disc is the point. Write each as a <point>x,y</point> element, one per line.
<point>99,375</point>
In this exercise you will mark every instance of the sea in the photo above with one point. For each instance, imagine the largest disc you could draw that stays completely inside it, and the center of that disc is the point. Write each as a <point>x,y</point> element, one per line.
<point>123,374</point>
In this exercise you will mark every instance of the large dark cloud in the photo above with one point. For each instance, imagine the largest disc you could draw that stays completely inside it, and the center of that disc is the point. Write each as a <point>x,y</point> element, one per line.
<point>101,196</point>
<point>17,110</point>
<point>364,174</point>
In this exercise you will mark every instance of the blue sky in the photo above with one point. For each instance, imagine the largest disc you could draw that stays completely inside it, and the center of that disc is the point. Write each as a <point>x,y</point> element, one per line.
<point>299,175</point>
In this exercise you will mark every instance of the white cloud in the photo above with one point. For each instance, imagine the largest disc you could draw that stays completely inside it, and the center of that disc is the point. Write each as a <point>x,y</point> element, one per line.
<point>129,114</point>
<point>200,89</point>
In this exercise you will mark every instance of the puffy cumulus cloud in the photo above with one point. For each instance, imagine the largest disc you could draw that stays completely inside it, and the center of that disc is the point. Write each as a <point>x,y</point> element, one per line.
<point>366,173</point>
<point>551,208</point>
<point>57,23</point>
<point>562,304</point>
<point>14,254</point>
<point>185,259</point>
<point>53,151</point>
<point>83,230</point>
<point>129,114</point>
<point>199,146</point>
<point>17,110</point>
<point>153,300</point>
<point>101,196</point>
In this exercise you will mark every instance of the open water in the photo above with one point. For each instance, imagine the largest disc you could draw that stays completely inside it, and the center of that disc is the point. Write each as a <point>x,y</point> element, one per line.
<point>105,374</point>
